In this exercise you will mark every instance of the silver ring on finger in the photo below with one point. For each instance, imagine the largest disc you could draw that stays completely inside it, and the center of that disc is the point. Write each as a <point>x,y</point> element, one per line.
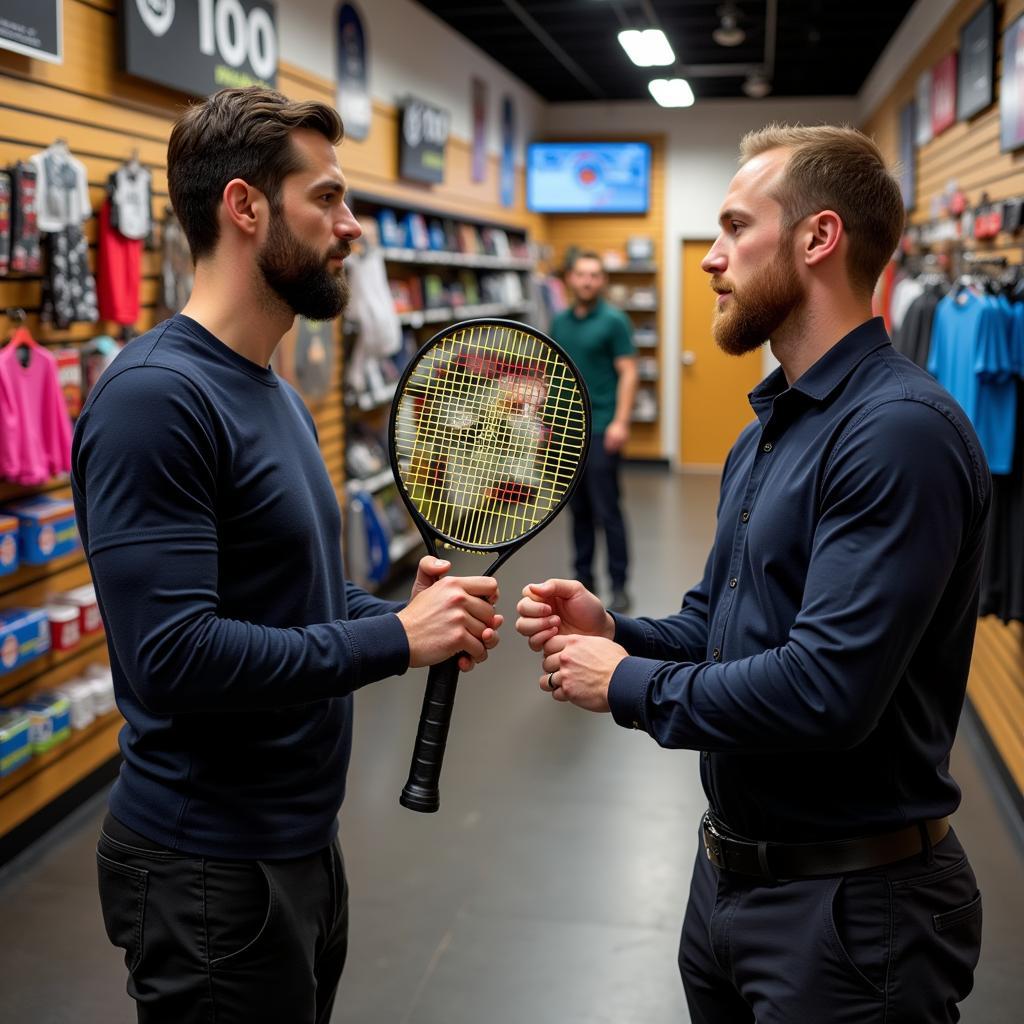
<point>552,685</point>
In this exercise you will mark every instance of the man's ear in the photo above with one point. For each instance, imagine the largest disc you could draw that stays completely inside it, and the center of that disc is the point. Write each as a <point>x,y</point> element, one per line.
<point>824,234</point>
<point>243,205</point>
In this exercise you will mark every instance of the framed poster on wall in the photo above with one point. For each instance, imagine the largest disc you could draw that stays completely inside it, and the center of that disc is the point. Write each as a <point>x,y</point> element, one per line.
<point>478,89</point>
<point>908,154</point>
<point>353,73</point>
<point>923,135</point>
<point>34,28</point>
<point>976,78</point>
<point>944,94</point>
<point>1011,88</point>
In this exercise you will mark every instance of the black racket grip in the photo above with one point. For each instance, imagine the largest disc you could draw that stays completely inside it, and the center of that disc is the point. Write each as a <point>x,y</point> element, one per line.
<point>421,792</point>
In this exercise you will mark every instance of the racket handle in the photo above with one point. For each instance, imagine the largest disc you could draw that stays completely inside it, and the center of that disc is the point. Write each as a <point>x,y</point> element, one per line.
<point>421,792</point>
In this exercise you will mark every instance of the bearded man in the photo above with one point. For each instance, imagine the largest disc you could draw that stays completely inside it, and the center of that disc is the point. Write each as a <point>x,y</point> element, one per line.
<point>821,663</point>
<point>213,535</point>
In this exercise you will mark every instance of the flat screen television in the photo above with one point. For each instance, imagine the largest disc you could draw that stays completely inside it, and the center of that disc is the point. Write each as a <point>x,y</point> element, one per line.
<point>588,177</point>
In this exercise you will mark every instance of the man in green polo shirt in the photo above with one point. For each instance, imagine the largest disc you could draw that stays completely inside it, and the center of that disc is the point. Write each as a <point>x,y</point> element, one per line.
<point>599,340</point>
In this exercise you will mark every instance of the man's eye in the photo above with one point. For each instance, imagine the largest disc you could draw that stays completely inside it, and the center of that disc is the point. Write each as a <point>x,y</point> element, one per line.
<point>735,225</point>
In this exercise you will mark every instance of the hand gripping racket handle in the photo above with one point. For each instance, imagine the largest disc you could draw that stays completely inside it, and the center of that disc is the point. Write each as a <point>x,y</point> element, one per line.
<point>421,792</point>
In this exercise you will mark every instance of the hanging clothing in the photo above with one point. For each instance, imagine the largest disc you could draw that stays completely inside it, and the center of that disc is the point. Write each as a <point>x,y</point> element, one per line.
<point>176,269</point>
<point>119,270</point>
<point>973,356</point>
<point>904,292</point>
<point>913,337</point>
<point>5,222</point>
<point>36,438</point>
<point>26,255</point>
<point>131,200</point>
<point>62,189</point>
<point>69,290</point>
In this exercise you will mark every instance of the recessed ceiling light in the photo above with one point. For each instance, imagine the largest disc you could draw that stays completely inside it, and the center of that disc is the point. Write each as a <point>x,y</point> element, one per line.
<point>671,92</point>
<point>757,86</point>
<point>647,48</point>
<point>729,32</point>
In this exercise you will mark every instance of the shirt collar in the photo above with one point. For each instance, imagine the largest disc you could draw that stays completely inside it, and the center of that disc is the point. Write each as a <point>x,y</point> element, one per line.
<point>824,376</point>
<point>593,311</point>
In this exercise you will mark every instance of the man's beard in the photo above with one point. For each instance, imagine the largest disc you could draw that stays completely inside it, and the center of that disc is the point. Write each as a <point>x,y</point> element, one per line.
<point>299,276</point>
<point>765,303</point>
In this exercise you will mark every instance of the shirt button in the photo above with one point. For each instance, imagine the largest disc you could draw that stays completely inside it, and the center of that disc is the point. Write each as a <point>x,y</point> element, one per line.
<point>716,654</point>
<point>732,583</point>
<point>767,446</point>
<point>704,754</point>
<point>745,516</point>
<point>636,724</point>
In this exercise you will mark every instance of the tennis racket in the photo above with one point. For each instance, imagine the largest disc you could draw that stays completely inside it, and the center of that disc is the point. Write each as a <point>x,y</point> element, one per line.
<point>488,436</point>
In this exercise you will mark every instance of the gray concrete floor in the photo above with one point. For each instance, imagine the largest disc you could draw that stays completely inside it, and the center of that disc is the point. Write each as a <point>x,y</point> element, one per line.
<point>550,887</point>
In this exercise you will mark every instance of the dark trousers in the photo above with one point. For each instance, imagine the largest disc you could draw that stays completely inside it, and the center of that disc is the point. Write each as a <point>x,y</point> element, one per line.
<point>897,945</point>
<point>595,505</point>
<point>225,942</point>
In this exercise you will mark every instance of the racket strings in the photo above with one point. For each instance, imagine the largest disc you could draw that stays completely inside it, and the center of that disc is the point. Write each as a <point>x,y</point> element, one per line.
<point>489,434</point>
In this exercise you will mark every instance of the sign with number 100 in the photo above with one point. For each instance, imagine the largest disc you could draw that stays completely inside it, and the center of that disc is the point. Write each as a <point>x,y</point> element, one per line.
<point>200,46</point>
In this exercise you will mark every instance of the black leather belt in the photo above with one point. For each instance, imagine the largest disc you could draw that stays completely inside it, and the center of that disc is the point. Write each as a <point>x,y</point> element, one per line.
<point>807,860</point>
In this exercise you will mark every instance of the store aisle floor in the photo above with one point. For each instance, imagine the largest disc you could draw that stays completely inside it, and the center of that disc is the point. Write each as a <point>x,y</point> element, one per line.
<point>550,887</point>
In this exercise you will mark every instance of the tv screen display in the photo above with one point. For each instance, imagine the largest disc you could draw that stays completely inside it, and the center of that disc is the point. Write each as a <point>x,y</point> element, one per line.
<point>594,177</point>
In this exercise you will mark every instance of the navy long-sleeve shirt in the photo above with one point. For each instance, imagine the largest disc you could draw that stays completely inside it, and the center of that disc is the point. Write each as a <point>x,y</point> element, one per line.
<point>821,663</point>
<point>213,534</point>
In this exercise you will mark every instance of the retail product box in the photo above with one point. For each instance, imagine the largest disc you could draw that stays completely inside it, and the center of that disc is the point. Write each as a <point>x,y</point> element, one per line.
<point>15,743</point>
<point>46,529</point>
<point>84,599</point>
<point>101,687</point>
<point>49,721</point>
<point>24,635</point>
<point>79,695</point>
<point>69,373</point>
<point>8,544</point>
<point>65,626</point>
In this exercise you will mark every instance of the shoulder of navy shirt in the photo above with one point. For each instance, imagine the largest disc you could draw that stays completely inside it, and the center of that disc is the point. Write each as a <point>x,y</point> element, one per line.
<point>821,662</point>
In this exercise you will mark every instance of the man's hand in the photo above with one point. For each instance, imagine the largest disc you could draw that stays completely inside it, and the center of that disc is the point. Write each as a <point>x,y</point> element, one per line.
<point>563,607</point>
<point>616,435</point>
<point>446,616</point>
<point>578,670</point>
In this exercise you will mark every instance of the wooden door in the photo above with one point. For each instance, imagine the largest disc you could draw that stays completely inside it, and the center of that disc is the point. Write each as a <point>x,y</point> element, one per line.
<point>713,386</point>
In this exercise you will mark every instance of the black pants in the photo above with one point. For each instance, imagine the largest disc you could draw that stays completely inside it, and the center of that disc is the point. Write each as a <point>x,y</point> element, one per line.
<point>897,945</point>
<point>595,504</point>
<point>222,941</point>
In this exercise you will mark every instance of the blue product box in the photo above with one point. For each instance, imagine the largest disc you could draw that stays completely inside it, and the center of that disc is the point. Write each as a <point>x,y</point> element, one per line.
<point>24,635</point>
<point>49,717</point>
<point>46,529</point>
<point>15,745</point>
<point>8,544</point>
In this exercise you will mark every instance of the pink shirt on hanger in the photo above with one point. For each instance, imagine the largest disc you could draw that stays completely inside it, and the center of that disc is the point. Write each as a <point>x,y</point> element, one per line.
<point>34,418</point>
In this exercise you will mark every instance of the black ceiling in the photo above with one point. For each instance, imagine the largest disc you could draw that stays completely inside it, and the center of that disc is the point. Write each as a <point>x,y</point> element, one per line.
<point>823,47</point>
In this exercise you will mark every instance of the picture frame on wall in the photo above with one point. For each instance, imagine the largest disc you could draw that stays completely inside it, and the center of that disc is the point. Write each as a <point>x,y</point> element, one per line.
<point>944,94</point>
<point>908,154</point>
<point>923,92</point>
<point>976,73</point>
<point>1011,88</point>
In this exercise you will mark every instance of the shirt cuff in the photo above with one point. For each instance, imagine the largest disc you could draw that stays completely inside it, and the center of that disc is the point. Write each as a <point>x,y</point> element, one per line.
<point>627,692</point>
<point>629,633</point>
<point>380,645</point>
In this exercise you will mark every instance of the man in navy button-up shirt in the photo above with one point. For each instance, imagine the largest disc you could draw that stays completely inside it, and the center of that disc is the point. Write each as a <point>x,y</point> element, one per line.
<point>821,662</point>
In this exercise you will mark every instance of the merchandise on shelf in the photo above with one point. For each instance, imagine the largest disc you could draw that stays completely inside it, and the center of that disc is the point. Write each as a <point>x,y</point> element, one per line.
<point>83,600</point>
<point>79,695</point>
<point>49,717</point>
<point>8,544</point>
<point>65,626</point>
<point>15,742</point>
<point>69,375</point>
<point>101,683</point>
<point>46,529</point>
<point>24,635</point>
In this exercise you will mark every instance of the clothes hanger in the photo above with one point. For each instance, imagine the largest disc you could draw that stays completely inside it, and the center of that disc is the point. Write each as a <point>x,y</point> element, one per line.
<point>22,338</point>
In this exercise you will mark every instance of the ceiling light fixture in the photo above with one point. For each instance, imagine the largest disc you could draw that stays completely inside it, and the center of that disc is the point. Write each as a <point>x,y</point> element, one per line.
<point>729,32</point>
<point>757,86</point>
<point>671,92</point>
<point>647,48</point>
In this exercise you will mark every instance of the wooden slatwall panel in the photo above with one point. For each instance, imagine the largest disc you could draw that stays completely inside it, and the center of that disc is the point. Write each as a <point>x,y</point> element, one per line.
<point>611,232</point>
<point>969,153</point>
<point>104,115</point>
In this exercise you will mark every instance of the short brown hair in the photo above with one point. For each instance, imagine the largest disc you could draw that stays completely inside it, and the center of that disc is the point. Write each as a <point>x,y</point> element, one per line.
<point>236,133</point>
<point>835,167</point>
<point>585,254</point>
